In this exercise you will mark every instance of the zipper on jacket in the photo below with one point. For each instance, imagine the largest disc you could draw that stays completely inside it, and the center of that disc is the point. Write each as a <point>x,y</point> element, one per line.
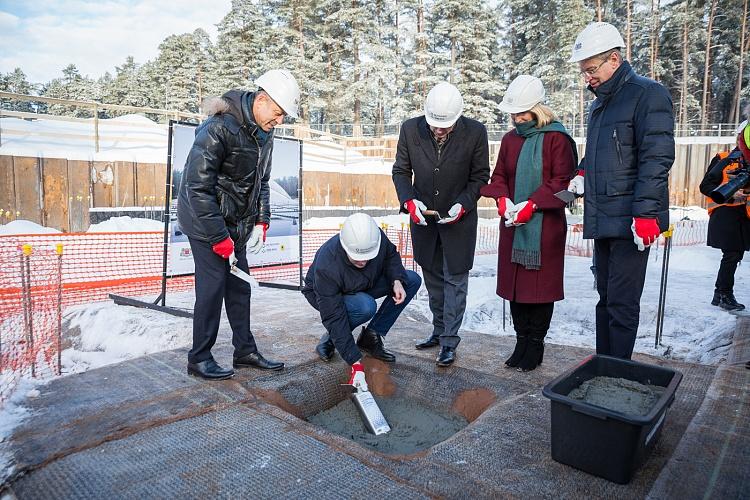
<point>617,145</point>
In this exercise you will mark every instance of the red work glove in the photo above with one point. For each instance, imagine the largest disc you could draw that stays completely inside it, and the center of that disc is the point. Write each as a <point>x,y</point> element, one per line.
<point>503,205</point>
<point>454,214</point>
<point>645,232</point>
<point>575,185</point>
<point>224,248</point>
<point>525,210</point>
<point>357,378</point>
<point>415,207</point>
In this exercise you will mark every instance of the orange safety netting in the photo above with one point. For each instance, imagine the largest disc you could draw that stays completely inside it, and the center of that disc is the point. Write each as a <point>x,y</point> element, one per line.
<point>30,315</point>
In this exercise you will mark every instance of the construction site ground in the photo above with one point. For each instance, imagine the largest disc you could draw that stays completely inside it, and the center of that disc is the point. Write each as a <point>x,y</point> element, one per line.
<point>145,429</point>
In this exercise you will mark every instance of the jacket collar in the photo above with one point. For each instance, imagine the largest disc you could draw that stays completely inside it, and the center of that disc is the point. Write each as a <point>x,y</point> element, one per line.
<point>241,108</point>
<point>613,85</point>
<point>427,142</point>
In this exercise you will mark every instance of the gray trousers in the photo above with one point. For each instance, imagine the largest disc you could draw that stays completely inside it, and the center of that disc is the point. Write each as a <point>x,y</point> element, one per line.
<point>447,293</point>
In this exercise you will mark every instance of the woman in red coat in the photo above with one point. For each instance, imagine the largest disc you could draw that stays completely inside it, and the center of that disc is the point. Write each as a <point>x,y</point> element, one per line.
<point>536,161</point>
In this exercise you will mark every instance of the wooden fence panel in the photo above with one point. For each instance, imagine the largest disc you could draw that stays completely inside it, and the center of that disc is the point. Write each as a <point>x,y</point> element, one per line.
<point>28,188</point>
<point>124,187</point>
<point>150,181</point>
<point>7,190</point>
<point>102,185</point>
<point>55,181</point>
<point>79,183</point>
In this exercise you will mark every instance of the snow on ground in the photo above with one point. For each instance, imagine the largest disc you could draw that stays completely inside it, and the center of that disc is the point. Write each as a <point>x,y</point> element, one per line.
<point>21,226</point>
<point>126,224</point>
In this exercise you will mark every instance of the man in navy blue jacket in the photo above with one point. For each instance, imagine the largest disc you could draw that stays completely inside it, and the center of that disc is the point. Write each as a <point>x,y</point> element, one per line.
<point>349,272</point>
<point>629,151</point>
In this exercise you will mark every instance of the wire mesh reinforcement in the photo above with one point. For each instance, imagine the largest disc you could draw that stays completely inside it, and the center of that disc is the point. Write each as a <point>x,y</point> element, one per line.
<point>90,266</point>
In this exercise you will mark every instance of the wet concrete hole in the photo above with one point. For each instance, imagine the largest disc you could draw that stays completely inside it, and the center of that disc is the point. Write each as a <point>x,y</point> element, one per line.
<point>421,409</point>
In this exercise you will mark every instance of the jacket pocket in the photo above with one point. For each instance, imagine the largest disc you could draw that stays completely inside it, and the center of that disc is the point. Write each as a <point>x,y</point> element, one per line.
<point>227,206</point>
<point>620,186</point>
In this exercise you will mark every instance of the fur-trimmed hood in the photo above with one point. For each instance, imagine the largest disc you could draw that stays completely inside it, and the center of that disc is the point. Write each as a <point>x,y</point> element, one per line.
<point>237,103</point>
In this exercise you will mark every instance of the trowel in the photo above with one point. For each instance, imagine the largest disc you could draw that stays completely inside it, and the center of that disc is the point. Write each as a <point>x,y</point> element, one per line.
<point>369,410</point>
<point>239,272</point>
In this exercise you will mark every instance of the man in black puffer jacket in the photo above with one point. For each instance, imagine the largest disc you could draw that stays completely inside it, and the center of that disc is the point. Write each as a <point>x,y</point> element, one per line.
<point>629,151</point>
<point>224,209</point>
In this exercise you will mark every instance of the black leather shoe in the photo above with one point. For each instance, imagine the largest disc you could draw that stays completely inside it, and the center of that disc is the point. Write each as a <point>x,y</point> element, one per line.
<point>447,356</point>
<point>256,360</point>
<point>372,343</point>
<point>209,370</point>
<point>430,341</point>
<point>325,348</point>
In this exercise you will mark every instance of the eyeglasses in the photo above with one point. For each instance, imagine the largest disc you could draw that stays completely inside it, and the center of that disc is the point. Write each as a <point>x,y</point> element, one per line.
<point>592,72</point>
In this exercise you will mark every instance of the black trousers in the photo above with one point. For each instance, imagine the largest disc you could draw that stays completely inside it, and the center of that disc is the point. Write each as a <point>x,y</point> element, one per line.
<point>214,284</point>
<point>620,275</point>
<point>531,319</point>
<point>727,268</point>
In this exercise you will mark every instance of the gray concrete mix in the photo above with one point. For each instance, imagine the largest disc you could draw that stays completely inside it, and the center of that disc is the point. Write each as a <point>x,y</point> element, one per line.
<point>144,429</point>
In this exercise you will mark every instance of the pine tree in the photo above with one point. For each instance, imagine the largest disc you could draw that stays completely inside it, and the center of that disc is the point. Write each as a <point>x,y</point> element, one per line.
<point>16,82</point>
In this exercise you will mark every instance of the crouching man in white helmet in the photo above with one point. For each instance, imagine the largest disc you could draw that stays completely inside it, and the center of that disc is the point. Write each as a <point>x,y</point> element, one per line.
<point>349,272</point>
<point>442,160</point>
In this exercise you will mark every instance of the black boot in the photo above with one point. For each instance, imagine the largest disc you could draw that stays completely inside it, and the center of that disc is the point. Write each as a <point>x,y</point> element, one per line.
<point>729,303</point>
<point>533,355</point>
<point>325,348</point>
<point>209,370</point>
<point>522,341</point>
<point>717,298</point>
<point>256,360</point>
<point>372,343</point>
<point>447,356</point>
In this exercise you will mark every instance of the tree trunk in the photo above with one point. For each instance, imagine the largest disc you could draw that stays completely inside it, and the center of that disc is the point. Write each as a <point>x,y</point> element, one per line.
<point>357,122</point>
<point>707,68</point>
<point>628,30</point>
<point>682,115</point>
<point>599,10</point>
<point>654,42</point>
<point>421,49</point>
<point>736,101</point>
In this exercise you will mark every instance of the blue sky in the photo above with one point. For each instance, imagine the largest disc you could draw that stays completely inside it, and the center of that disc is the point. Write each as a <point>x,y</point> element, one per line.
<point>42,37</point>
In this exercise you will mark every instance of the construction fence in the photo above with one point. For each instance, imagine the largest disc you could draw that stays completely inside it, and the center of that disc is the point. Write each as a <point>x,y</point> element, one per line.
<point>43,274</point>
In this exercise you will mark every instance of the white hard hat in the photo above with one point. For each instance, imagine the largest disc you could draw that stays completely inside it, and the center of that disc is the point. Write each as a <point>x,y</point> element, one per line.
<point>360,237</point>
<point>523,93</point>
<point>443,105</point>
<point>741,127</point>
<point>283,89</point>
<point>595,39</point>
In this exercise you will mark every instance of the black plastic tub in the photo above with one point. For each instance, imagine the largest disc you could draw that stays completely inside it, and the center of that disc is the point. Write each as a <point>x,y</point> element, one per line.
<point>600,441</point>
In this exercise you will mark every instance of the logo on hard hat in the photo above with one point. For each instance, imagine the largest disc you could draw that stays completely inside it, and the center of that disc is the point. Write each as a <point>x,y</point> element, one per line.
<point>438,117</point>
<point>365,250</point>
<point>578,46</point>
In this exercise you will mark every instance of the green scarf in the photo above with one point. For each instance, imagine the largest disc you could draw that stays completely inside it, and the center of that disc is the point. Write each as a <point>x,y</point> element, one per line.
<point>527,238</point>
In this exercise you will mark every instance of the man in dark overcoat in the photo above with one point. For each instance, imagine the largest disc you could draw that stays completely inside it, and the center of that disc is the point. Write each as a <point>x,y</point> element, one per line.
<point>442,160</point>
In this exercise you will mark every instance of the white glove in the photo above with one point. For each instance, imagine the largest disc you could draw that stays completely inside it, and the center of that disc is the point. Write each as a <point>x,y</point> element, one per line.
<point>456,212</point>
<point>257,238</point>
<point>357,378</point>
<point>576,185</point>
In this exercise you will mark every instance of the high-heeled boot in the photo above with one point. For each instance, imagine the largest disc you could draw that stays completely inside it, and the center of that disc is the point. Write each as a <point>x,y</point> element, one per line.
<point>522,341</point>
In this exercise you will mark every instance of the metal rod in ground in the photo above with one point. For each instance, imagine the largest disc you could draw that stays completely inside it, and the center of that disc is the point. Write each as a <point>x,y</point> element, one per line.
<point>59,248</point>
<point>663,286</point>
<point>28,303</point>
<point>503,314</point>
